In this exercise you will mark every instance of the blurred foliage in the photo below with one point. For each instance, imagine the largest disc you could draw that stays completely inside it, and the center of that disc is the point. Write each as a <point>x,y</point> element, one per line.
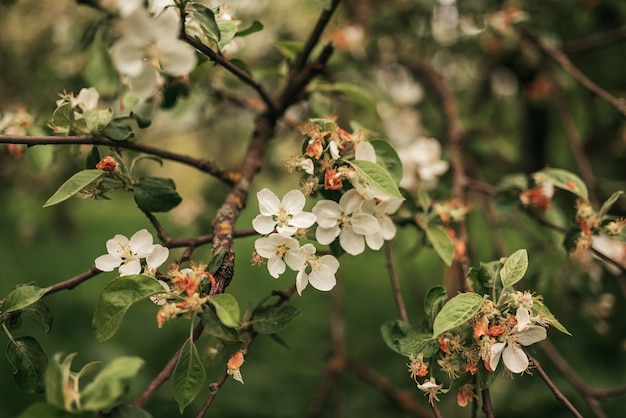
<point>505,92</point>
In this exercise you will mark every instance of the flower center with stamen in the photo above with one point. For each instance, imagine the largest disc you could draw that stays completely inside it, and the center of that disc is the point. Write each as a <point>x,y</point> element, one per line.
<point>126,253</point>
<point>283,217</point>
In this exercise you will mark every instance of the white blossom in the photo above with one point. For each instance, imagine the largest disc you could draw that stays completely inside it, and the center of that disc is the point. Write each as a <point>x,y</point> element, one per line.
<point>346,221</point>
<point>422,163</point>
<point>512,354</point>
<point>127,254</point>
<point>281,251</point>
<point>149,46</point>
<point>381,211</point>
<point>319,271</point>
<point>286,215</point>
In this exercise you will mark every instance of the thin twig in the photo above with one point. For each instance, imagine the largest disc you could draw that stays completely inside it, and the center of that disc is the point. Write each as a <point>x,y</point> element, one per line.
<point>231,68</point>
<point>487,406</point>
<point>201,164</point>
<point>314,37</point>
<point>567,65</point>
<point>595,41</point>
<point>575,142</point>
<point>395,285</point>
<point>402,398</point>
<point>555,390</point>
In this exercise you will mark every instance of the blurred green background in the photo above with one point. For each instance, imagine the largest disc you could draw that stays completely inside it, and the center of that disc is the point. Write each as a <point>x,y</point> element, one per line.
<point>42,50</point>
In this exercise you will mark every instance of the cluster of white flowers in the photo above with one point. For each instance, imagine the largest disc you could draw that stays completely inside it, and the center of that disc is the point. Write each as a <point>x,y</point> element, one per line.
<point>355,220</point>
<point>420,156</point>
<point>150,46</point>
<point>127,254</point>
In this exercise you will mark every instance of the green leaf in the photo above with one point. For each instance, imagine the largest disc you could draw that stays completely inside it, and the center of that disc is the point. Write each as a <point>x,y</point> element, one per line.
<point>441,242</point>
<point>606,206</point>
<point>354,92</point>
<point>227,309</point>
<point>156,194</point>
<point>142,122</point>
<point>30,362</point>
<point>41,313</point>
<point>97,120</point>
<point>387,156</point>
<point>457,311</point>
<point>289,49</point>
<point>22,297</point>
<point>270,320</point>
<point>542,311</point>
<point>214,326</point>
<point>228,29</point>
<point>433,301</point>
<point>55,380</point>
<point>116,298</point>
<point>111,385</point>
<point>403,339</point>
<point>256,26</point>
<point>424,199</point>
<point>206,17</point>
<point>278,340</point>
<point>63,116</point>
<point>482,278</point>
<point>565,180</point>
<point>514,268</point>
<point>189,375</point>
<point>216,262</point>
<point>377,177</point>
<point>73,185</point>
<point>41,410</point>
<point>100,71</point>
<point>39,157</point>
<point>128,411</point>
<point>119,129</point>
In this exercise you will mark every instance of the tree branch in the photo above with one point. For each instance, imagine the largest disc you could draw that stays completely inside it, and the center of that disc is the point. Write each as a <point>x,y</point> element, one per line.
<point>395,285</point>
<point>555,390</point>
<point>200,164</point>
<point>569,67</point>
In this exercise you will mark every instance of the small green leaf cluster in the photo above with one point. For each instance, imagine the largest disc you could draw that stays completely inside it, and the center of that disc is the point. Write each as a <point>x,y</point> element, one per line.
<point>151,194</point>
<point>461,339</point>
<point>185,295</point>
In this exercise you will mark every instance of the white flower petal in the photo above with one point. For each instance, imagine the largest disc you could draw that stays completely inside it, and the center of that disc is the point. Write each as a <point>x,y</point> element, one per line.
<point>388,229</point>
<point>116,243</point>
<point>176,57</point>
<point>303,220</point>
<point>375,241</point>
<point>276,266</point>
<point>294,201</point>
<point>353,244</point>
<point>128,57</point>
<point>132,267</point>
<point>365,151</point>
<point>265,247</point>
<point>144,84</point>
<point>295,259</point>
<point>515,359</point>
<point>108,262</point>
<point>494,357</point>
<point>326,235</point>
<point>532,335</point>
<point>141,243</point>
<point>269,204</point>
<point>158,256</point>
<point>323,279</point>
<point>263,224</point>
<point>301,281</point>
<point>350,201</point>
<point>286,230</point>
<point>364,224</point>
<point>327,212</point>
<point>167,24</point>
<point>523,319</point>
